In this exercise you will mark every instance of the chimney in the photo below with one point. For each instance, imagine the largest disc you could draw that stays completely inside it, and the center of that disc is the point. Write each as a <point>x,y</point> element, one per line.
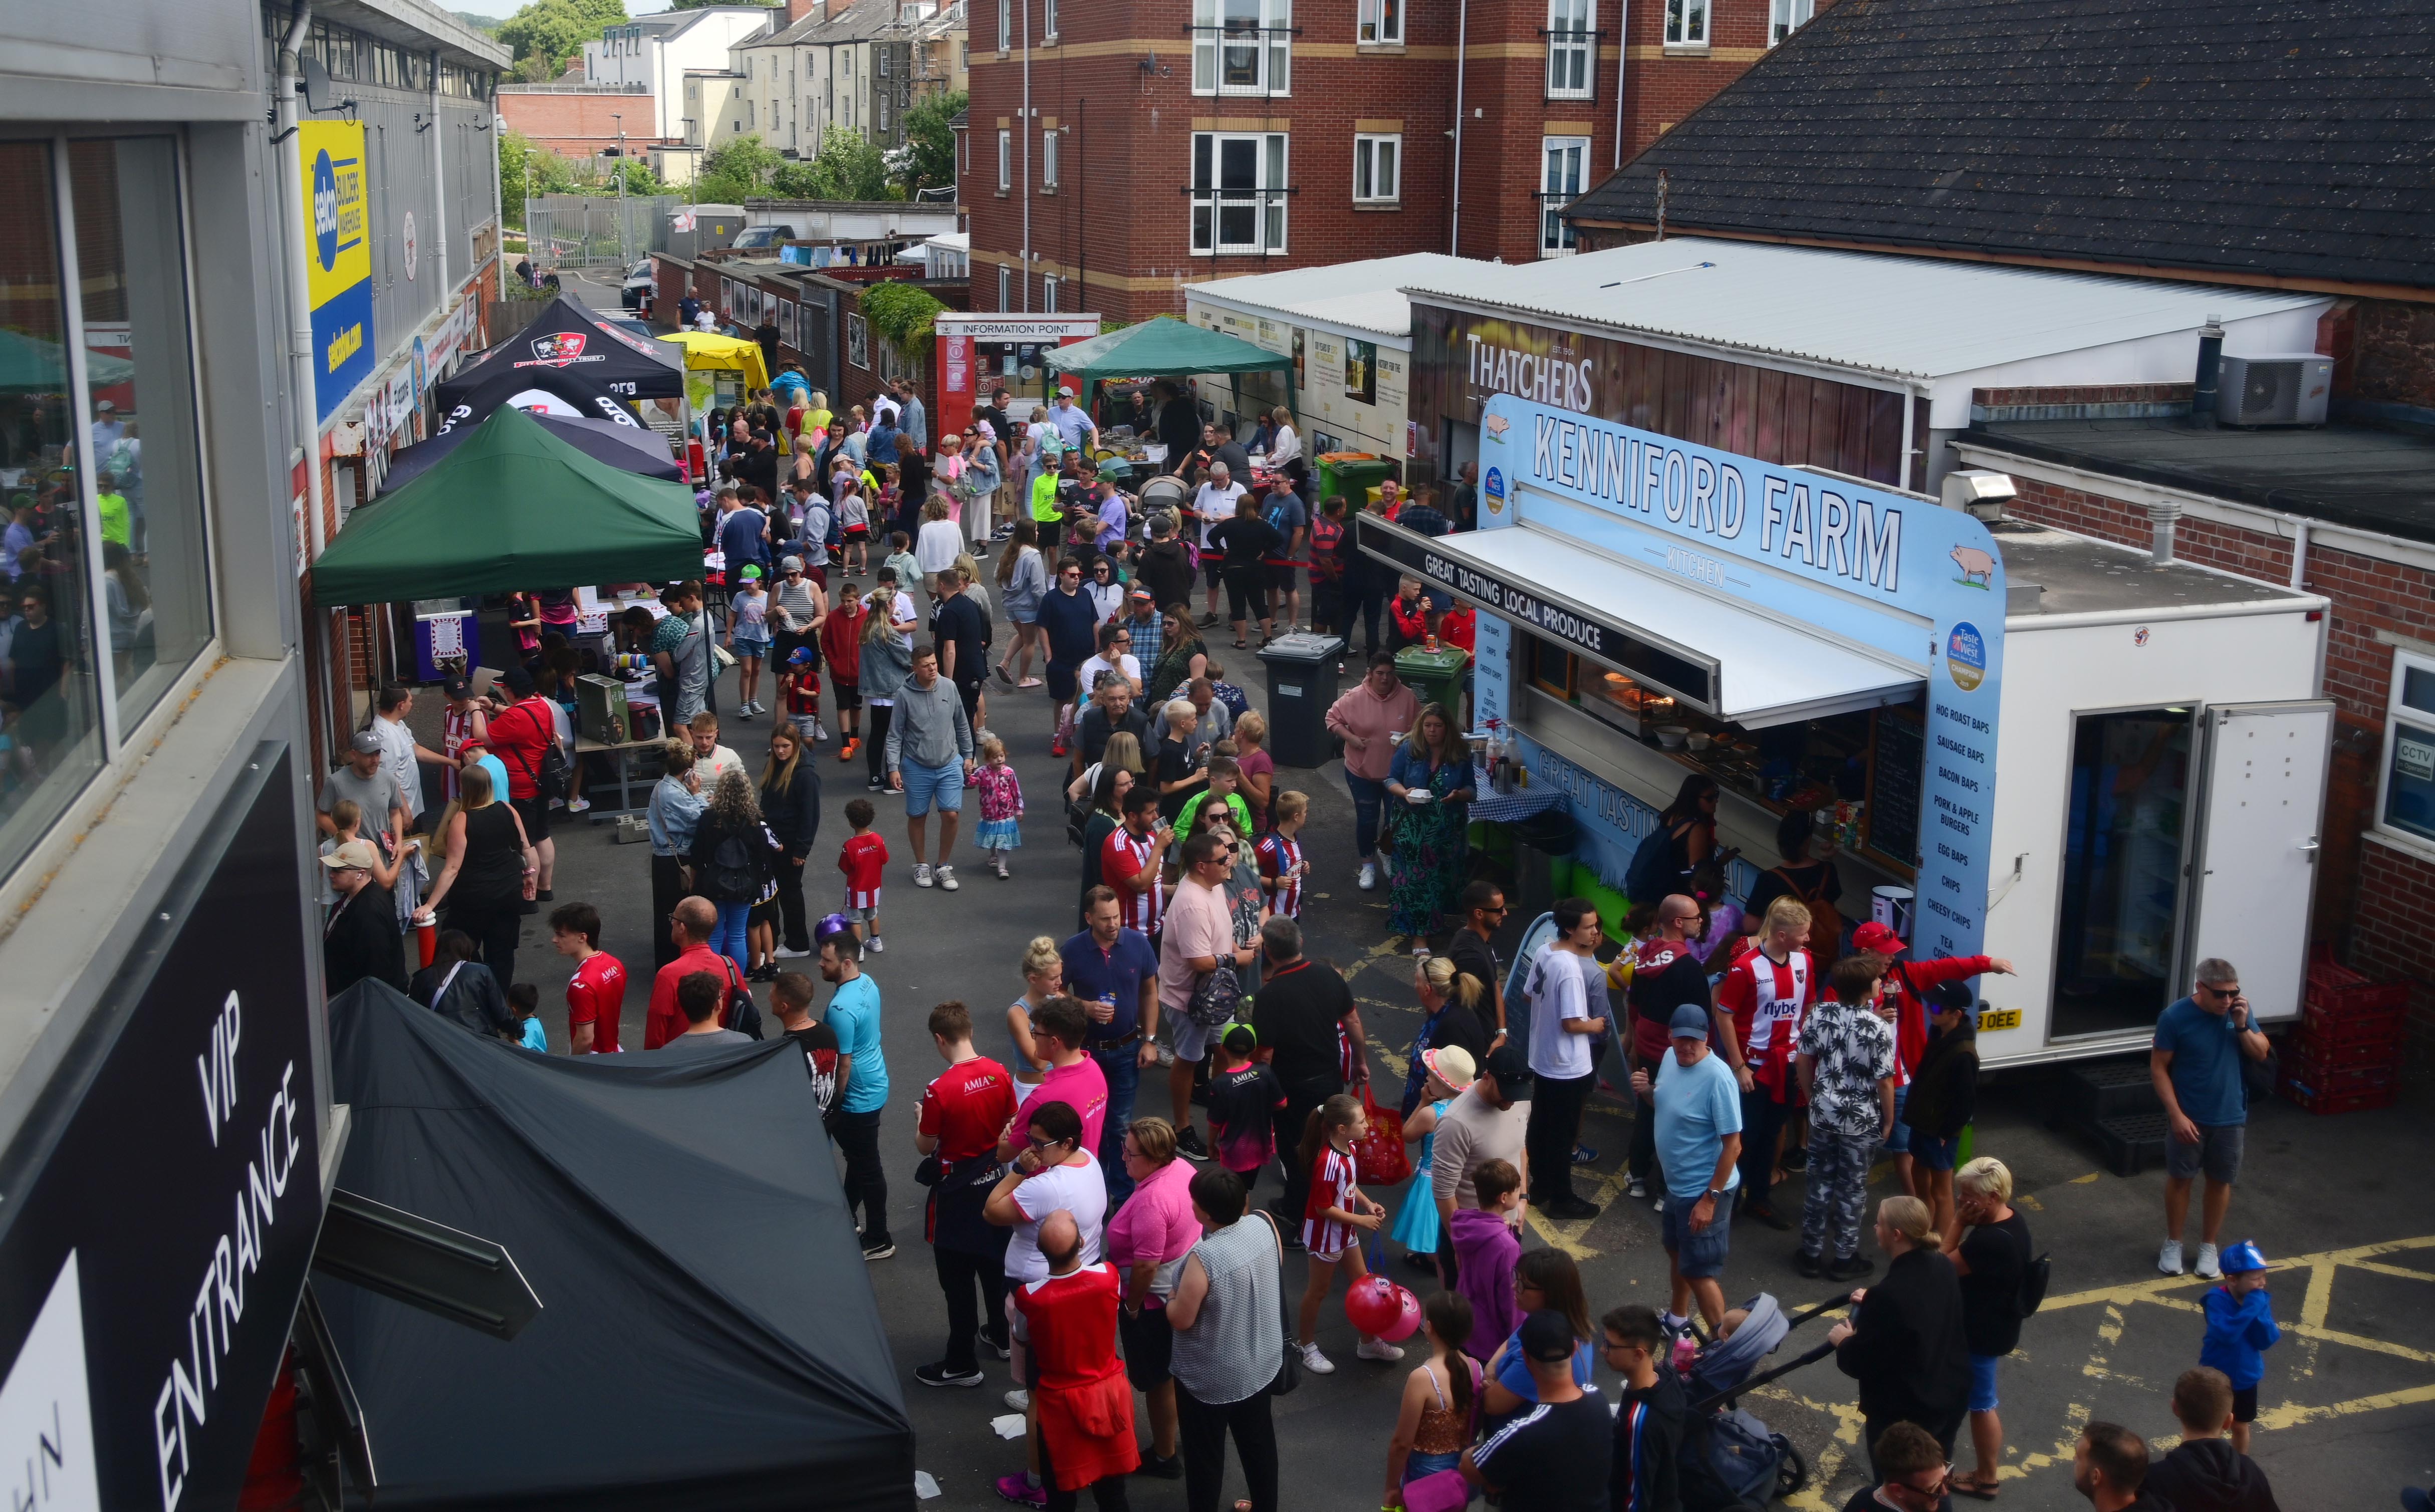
<point>2202,396</point>
<point>796,11</point>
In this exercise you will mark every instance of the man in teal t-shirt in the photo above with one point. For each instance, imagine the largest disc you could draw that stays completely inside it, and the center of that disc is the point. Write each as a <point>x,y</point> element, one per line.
<point>2196,1068</point>
<point>862,1077</point>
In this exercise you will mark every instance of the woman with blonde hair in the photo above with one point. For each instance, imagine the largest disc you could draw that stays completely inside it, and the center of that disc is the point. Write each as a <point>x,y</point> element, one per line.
<point>1123,753</point>
<point>1906,1343</point>
<point>1991,1252</point>
<point>1043,977</point>
<point>1450,1008</point>
<point>1253,766</point>
<point>491,872</point>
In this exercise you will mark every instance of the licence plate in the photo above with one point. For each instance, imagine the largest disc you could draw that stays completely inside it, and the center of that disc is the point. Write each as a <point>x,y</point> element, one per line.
<point>1999,1019</point>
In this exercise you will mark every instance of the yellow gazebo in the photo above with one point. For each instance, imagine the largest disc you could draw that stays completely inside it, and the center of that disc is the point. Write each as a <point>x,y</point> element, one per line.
<point>708,351</point>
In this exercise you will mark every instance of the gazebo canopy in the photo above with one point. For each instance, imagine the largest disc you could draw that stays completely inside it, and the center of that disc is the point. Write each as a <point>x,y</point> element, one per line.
<point>706,351</point>
<point>1165,346</point>
<point>514,507</point>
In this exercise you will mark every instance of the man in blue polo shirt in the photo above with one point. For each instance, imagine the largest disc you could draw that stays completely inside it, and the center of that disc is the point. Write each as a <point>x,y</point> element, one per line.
<point>2196,1068</point>
<point>862,1082</point>
<point>1113,972</point>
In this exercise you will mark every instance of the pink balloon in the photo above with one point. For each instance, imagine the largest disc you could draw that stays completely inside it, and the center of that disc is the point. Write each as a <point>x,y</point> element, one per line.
<point>1409,1322</point>
<point>1370,1306</point>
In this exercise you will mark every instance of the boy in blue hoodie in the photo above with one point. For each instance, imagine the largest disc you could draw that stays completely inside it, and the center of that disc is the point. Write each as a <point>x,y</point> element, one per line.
<point>2240,1327</point>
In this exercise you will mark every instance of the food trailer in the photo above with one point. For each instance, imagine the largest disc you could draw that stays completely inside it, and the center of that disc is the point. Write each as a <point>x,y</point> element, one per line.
<point>2101,763</point>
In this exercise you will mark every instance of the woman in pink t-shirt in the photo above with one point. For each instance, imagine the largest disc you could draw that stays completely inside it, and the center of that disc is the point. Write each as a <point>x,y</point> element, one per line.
<point>1147,1240</point>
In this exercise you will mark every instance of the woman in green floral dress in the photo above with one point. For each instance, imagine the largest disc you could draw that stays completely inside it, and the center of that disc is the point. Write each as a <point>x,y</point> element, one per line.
<point>1430,786</point>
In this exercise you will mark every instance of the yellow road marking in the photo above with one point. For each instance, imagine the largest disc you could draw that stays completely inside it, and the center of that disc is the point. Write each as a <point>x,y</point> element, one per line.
<point>2402,1271</point>
<point>2291,1415</point>
<point>2319,1299</point>
<point>2143,1291</point>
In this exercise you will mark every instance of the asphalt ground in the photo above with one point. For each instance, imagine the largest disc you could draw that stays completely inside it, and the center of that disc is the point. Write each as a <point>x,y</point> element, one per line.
<point>2342,1205</point>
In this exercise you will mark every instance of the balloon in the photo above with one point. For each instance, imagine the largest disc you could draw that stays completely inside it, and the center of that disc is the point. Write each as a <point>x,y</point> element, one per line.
<point>1381,1309</point>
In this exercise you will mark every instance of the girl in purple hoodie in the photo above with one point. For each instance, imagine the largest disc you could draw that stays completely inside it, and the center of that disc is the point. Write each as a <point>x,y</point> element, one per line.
<point>1485,1253</point>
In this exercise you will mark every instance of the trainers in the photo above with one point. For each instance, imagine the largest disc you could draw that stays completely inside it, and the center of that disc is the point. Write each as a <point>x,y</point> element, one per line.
<point>1850,1268</point>
<point>1805,1264</point>
<point>941,1375</point>
<point>1571,1210</point>
<point>1316,1362</point>
<point>1584,1155</point>
<point>1637,1189</point>
<point>878,1251</point>
<point>1169,1469</point>
<point>845,752</point>
<point>1188,1143</point>
<point>2168,1259</point>
<point>1369,882</point>
<point>1057,747</point>
<point>921,875</point>
<point>820,732</point>
<point>785,953</point>
<point>862,954</point>
<point>577,805</point>
<point>998,862</point>
<point>877,944</point>
<point>1371,1348</point>
<point>1017,1400</point>
<point>947,878</point>
<point>1020,1492</point>
<point>1000,1348</point>
<point>2207,1268</point>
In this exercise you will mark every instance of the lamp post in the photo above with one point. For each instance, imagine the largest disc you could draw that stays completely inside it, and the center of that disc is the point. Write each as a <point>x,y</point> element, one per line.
<point>620,119</point>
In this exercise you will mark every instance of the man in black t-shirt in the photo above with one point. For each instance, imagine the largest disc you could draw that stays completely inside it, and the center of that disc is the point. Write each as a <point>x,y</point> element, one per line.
<point>1306,1015</point>
<point>791,996</point>
<point>1474,956</point>
<point>1552,1457</point>
<point>961,632</point>
<point>1112,709</point>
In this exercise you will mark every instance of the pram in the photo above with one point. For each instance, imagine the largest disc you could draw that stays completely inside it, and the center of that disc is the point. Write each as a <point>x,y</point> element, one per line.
<point>1731,1459</point>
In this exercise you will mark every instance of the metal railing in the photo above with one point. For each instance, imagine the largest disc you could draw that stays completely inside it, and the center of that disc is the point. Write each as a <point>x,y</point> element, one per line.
<point>576,231</point>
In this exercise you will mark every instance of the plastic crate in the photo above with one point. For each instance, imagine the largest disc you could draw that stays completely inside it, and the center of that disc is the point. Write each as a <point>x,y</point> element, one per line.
<point>2337,989</point>
<point>2368,1053</point>
<point>2343,1027</point>
<point>2357,1101</point>
<point>2314,1085</point>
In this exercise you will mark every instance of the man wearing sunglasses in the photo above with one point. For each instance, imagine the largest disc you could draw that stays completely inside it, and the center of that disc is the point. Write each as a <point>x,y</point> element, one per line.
<point>1911,1473</point>
<point>2196,1067</point>
<point>1473,950</point>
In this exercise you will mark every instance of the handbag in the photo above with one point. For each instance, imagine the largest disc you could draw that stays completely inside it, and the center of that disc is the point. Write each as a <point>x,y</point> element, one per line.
<point>1288,1374</point>
<point>1378,1156</point>
<point>1215,996</point>
<point>1440,1492</point>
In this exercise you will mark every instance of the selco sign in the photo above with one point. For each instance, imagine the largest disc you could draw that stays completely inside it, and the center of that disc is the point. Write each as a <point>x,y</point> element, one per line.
<point>1878,570</point>
<point>339,261</point>
<point>164,1197</point>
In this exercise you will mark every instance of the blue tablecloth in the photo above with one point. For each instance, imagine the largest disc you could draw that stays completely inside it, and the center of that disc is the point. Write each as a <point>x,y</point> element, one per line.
<point>1503,808</point>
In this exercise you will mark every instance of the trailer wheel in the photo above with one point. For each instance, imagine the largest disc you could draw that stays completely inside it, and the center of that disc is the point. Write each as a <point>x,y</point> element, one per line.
<point>1791,1472</point>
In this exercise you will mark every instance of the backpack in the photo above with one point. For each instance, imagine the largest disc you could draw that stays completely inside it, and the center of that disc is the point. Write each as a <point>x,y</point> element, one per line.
<point>555,778</point>
<point>743,1015</point>
<point>1650,875</point>
<point>734,870</point>
<point>1078,822</point>
<point>2034,1278</point>
<point>1825,920</point>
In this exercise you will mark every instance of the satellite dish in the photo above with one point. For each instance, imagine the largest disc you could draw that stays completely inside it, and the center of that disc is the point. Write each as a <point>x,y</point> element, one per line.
<point>319,97</point>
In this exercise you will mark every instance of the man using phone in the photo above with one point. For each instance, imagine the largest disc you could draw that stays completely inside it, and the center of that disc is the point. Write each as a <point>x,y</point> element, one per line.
<point>2196,1065</point>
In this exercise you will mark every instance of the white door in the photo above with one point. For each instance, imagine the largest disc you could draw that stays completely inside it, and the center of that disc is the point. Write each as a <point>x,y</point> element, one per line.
<point>2254,868</point>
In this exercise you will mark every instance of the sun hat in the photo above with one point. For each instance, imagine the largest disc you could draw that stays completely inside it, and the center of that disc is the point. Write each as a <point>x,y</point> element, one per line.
<point>1452,1065</point>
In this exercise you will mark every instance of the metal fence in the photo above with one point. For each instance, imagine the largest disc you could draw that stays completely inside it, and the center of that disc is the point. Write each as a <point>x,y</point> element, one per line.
<point>578,231</point>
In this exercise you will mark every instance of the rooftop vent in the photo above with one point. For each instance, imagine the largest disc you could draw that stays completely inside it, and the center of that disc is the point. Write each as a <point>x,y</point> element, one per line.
<point>1978,491</point>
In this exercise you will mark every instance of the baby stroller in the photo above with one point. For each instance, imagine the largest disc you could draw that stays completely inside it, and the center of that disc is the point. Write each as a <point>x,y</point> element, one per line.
<point>1731,1460</point>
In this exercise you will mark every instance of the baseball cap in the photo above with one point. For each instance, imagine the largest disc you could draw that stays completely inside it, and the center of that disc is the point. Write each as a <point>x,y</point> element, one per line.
<point>1690,1022</point>
<point>2244,1256</point>
<point>1951,997</point>
<point>355,853</point>
<point>1877,939</point>
<point>457,687</point>
<point>1452,1065</point>
<point>752,573</point>
<point>1547,1337</point>
<point>790,564</point>
<point>1162,524</point>
<point>367,742</point>
<point>799,656</point>
<point>519,682</point>
<point>106,406</point>
<point>1142,594</point>
<point>1511,1069</point>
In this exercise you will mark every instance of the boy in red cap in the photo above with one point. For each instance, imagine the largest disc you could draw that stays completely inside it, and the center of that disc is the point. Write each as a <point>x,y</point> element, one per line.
<point>1903,998</point>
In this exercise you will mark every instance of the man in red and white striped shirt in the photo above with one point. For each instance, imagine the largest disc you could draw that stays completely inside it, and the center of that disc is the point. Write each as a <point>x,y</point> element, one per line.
<point>1766,992</point>
<point>1133,857</point>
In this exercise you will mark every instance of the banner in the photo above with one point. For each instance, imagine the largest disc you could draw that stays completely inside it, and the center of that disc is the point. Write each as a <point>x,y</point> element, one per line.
<point>339,258</point>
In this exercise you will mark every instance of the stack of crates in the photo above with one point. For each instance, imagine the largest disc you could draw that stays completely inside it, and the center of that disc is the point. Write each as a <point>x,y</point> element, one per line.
<point>2346,1053</point>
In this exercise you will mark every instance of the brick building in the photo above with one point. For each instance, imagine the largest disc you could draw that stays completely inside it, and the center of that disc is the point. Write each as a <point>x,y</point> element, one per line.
<point>1178,142</point>
<point>2163,140</point>
<point>579,120</point>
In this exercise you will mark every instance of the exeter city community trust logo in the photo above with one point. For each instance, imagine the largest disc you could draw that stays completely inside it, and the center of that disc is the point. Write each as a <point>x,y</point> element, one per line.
<point>1493,485</point>
<point>1965,657</point>
<point>557,349</point>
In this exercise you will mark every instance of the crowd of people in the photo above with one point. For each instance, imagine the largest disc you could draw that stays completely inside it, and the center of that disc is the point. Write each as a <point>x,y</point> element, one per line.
<point>1103,1249</point>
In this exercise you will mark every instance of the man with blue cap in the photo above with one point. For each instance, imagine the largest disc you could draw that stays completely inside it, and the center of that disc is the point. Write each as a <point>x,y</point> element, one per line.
<point>1699,1142</point>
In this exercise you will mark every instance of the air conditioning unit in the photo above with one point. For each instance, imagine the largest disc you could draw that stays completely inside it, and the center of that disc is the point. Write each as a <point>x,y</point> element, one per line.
<point>2274,391</point>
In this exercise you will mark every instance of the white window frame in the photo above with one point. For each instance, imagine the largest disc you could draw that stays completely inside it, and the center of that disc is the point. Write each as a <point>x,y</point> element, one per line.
<point>1379,24</point>
<point>1572,49</point>
<point>1376,180</point>
<point>1005,161</point>
<point>1049,158</point>
<point>883,113</point>
<point>1785,17</point>
<point>2396,709</point>
<point>1687,23</point>
<point>1005,287</point>
<point>1272,48</point>
<point>1271,166</point>
<point>1049,21</point>
<point>1006,26</point>
<point>1555,232</point>
<point>1048,294</point>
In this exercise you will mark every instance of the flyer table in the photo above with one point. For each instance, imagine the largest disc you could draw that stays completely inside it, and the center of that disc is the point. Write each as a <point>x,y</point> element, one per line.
<point>621,758</point>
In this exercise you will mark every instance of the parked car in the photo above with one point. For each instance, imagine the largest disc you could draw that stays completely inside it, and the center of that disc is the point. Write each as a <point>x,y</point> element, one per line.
<point>764,238</point>
<point>641,288</point>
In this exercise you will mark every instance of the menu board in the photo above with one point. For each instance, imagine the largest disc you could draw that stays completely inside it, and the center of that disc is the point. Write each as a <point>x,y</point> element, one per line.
<point>1895,781</point>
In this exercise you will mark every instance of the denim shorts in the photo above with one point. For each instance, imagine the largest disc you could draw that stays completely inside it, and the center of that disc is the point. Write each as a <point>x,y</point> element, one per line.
<point>1933,1154</point>
<point>1898,1142</point>
<point>943,785</point>
<point>1700,1255</point>
<point>1982,1381</point>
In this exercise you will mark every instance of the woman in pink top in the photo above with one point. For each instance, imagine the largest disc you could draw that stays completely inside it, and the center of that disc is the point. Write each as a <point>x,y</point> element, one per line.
<point>1372,718</point>
<point>1146,1242</point>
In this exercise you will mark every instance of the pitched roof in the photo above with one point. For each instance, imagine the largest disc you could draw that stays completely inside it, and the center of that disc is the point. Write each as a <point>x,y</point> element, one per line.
<point>2242,138</point>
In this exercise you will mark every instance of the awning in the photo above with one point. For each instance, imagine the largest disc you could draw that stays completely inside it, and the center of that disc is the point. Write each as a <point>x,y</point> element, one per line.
<point>1712,653</point>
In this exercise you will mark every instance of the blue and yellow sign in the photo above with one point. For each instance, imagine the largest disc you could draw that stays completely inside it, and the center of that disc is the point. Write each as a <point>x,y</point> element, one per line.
<point>338,257</point>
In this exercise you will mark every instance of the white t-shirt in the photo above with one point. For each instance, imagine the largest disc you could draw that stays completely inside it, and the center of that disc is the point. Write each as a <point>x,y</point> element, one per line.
<point>1081,1191</point>
<point>1558,988</point>
<point>397,754</point>
<point>1125,663</point>
<point>1215,506</point>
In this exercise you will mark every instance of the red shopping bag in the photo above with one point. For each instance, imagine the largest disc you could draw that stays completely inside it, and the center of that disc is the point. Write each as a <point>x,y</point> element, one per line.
<point>1378,1157</point>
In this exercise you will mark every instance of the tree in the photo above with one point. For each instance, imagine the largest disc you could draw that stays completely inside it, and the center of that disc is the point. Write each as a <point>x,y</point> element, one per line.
<point>932,141</point>
<point>847,166</point>
<point>551,174</point>
<point>737,169</point>
<point>697,5</point>
<point>552,31</point>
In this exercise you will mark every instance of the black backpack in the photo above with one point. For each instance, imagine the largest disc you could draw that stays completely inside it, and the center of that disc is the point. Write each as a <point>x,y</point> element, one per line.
<point>743,1014</point>
<point>2034,1278</point>
<point>734,870</point>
